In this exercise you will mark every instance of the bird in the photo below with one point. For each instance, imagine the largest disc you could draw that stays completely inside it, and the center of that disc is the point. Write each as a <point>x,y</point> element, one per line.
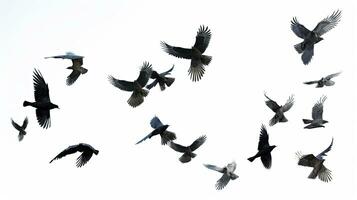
<point>42,102</point>
<point>195,53</point>
<point>324,81</point>
<point>316,162</point>
<point>306,48</point>
<point>77,69</point>
<point>137,86</point>
<point>86,150</point>
<point>264,149</point>
<point>188,150</point>
<point>228,174</point>
<point>279,110</point>
<point>159,129</point>
<point>317,111</point>
<point>21,129</point>
<point>161,79</point>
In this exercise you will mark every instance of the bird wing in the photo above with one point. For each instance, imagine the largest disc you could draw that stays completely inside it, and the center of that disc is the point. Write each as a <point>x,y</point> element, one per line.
<point>308,160</point>
<point>84,158</point>
<point>151,85</point>
<point>223,181</point>
<point>15,125</point>
<point>300,30</point>
<point>310,82</point>
<point>145,74</point>
<point>41,87</point>
<point>77,62</point>
<point>176,51</point>
<point>43,118</point>
<point>271,104</point>
<point>69,150</point>
<point>25,123</point>
<point>332,75</point>
<point>73,77</point>
<point>263,138</point>
<point>155,122</point>
<point>328,23</point>
<point>266,160</point>
<point>177,147</point>
<point>168,71</point>
<point>324,174</point>
<point>121,84</point>
<point>203,38</point>
<point>289,103</point>
<point>323,153</point>
<point>198,142</point>
<point>215,168</point>
<point>318,108</point>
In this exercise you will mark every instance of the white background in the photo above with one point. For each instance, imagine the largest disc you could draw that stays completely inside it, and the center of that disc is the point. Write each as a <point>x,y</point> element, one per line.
<point>252,49</point>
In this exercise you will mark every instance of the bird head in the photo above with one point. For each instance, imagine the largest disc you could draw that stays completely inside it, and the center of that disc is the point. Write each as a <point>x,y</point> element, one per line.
<point>96,152</point>
<point>272,147</point>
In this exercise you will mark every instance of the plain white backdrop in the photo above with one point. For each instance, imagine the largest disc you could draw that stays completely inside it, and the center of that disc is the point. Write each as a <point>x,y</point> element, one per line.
<point>252,49</point>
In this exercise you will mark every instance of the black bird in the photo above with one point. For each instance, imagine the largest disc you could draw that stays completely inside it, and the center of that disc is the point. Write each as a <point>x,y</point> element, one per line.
<point>316,162</point>
<point>195,54</point>
<point>317,111</point>
<point>159,129</point>
<point>137,86</point>
<point>264,149</point>
<point>324,81</point>
<point>188,151</point>
<point>161,79</point>
<point>42,102</point>
<point>228,174</point>
<point>312,37</point>
<point>21,129</point>
<point>86,150</point>
<point>279,110</point>
<point>77,69</point>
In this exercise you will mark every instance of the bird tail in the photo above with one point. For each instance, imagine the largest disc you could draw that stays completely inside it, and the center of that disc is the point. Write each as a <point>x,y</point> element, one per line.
<point>283,119</point>
<point>185,158</point>
<point>299,47</point>
<point>167,136</point>
<point>251,159</point>
<point>169,81</point>
<point>26,103</point>
<point>307,121</point>
<point>206,59</point>
<point>83,70</point>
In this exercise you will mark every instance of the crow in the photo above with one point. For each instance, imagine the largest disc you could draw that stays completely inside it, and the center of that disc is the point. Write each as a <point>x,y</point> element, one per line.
<point>188,151</point>
<point>228,174</point>
<point>312,37</point>
<point>264,149</point>
<point>317,111</point>
<point>42,102</point>
<point>21,129</point>
<point>316,162</point>
<point>324,81</point>
<point>279,110</point>
<point>86,150</point>
<point>195,54</point>
<point>159,129</point>
<point>161,79</point>
<point>77,69</point>
<point>137,97</point>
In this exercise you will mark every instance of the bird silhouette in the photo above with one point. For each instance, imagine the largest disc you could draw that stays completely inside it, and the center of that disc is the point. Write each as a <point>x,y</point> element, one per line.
<point>159,129</point>
<point>279,110</point>
<point>324,81</point>
<point>188,150</point>
<point>21,129</point>
<point>161,79</point>
<point>317,111</point>
<point>228,174</point>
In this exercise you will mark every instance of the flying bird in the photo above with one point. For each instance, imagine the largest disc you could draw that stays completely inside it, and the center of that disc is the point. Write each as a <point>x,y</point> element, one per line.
<point>86,153</point>
<point>264,149</point>
<point>188,151</point>
<point>159,129</point>
<point>316,162</point>
<point>161,79</point>
<point>21,129</point>
<point>228,174</point>
<point>317,111</point>
<point>77,69</point>
<point>279,110</point>
<point>137,86</point>
<point>324,81</point>
<point>195,54</point>
<point>312,37</point>
<point>42,102</point>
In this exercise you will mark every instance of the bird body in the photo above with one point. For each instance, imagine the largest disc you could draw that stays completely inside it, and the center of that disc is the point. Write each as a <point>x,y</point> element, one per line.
<point>228,174</point>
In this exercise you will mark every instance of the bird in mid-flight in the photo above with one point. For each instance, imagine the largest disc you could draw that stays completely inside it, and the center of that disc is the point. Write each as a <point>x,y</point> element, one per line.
<point>316,162</point>
<point>188,150</point>
<point>86,150</point>
<point>324,81</point>
<point>42,102</point>
<point>195,54</point>
<point>264,149</point>
<point>159,129</point>
<point>317,111</point>
<point>279,110</point>
<point>21,129</point>
<point>228,174</point>
<point>137,86</point>
<point>77,69</point>
<point>161,79</point>
<point>312,37</point>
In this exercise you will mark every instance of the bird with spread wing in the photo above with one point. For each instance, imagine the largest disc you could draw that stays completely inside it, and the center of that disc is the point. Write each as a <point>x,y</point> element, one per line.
<point>228,174</point>
<point>324,81</point>
<point>279,110</point>
<point>317,111</point>
<point>188,150</point>
<point>159,129</point>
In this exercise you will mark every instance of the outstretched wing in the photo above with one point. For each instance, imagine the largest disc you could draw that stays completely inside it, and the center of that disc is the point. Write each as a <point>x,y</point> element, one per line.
<point>328,23</point>
<point>25,123</point>
<point>271,104</point>
<point>177,147</point>
<point>176,51</point>
<point>223,181</point>
<point>70,150</point>
<point>300,30</point>
<point>73,76</point>
<point>151,85</point>
<point>43,117</point>
<point>203,38</point>
<point>263,138</point>
<point>323,153</point>
<point>155,122</point>
<point>310,82</point>
<point>15,125</point>
<point>215,168</point>
<point>168,71</point>
<point>324,174</point>
<point>84,158</point>
<point>318,108</point>
<point>198,142</point>
<point>332,75</point>
<point>121,84</point>
<point>41,87</point>
<point>289,103</point>
<point>145,74</point>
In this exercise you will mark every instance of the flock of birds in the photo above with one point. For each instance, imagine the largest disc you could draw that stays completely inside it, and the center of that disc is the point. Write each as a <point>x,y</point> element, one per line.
<point>139,89</point>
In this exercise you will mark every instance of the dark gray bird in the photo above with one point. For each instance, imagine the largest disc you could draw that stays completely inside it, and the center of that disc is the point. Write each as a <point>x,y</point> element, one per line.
<point>195,54</point>
<point>42,102</point>
<point>279,110</point>
<point>137,86</point>
<point>264,149</point>
<point>324,81</point>
<point>316,162</point>
<point>21,129</point>
<point>317,111</point>
<point>159,129</point>
<point>77,69</point>
<point>188,151</point>
<point>312,37</point>
<point>86,150</point>
<point>161,79</point>
<point>228,174</point>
